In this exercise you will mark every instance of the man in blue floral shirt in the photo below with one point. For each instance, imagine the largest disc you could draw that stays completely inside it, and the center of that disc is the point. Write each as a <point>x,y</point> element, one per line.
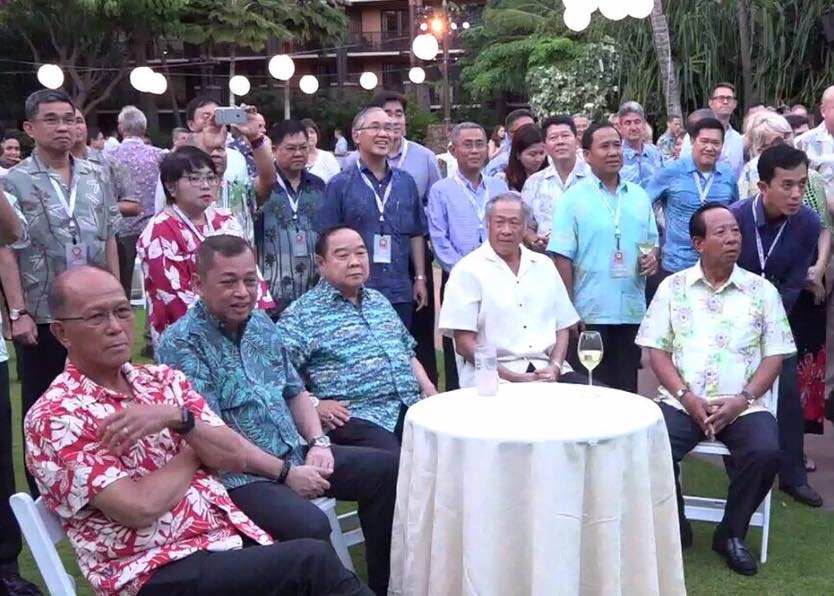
<point>285,234</point>
<point>352,349</point>
<point>233,356</point>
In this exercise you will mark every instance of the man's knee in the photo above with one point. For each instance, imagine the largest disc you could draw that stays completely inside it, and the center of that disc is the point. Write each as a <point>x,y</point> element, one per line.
<point>317,526</point>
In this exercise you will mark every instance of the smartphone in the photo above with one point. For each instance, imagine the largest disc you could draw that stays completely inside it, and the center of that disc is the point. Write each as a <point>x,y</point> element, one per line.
<point>230,115</point>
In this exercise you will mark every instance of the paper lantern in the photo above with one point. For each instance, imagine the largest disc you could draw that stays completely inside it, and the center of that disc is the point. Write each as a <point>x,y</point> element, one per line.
<point>640,9</point>
<point>417,75</point>
<point>281,67</point>
<point>51,76</point>
<point>309,84</point>
<point>588,6</point>
<point>368,81</point>
<point>614,10</point>
<point>239,85</point>
<point>425,46</point>
<point>159,84</point>
<point>577,19</point>
<point>142,78</point>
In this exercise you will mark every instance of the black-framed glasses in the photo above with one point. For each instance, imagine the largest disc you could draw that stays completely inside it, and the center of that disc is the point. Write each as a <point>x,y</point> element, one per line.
<point>197,181</point>
<point>377,128</point>
<point>56,121</point>
<point>724,98</point>
<point>123,312</point>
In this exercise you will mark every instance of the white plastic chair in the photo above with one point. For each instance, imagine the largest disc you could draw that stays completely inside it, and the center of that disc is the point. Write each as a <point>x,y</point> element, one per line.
<point>339,539</point>
<point>43,531</point>
<point>712,510</point>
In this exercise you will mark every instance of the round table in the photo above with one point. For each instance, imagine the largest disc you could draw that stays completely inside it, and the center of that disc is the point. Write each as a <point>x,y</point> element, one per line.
<point>545,489</point>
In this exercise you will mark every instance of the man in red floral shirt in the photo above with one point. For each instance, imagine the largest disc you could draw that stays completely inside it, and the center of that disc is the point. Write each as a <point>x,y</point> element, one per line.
<point>123,455</point>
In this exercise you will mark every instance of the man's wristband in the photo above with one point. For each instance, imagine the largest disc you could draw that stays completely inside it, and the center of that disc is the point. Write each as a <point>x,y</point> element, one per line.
<point>257,143</point>
<point>419,278</point>
<point>285,470</point>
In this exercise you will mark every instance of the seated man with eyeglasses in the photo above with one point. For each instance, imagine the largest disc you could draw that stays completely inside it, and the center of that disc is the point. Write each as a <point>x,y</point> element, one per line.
<point>124,455</point>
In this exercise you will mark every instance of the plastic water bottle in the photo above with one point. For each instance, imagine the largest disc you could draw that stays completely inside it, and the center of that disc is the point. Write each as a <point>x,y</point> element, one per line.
<point>486,369</point>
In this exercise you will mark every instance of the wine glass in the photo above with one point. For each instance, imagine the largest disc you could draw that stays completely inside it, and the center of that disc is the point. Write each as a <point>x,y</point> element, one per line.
<point>590,352</point>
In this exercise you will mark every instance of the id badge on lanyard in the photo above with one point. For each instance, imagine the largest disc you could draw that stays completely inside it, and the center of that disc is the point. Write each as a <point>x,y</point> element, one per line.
<point>382,242</point>
<point>480,208</point>
<point>617,267</point>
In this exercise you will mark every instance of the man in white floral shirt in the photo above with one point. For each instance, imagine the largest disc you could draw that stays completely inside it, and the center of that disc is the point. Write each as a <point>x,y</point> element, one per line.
<point>717,336</point>
<point>123,455</point>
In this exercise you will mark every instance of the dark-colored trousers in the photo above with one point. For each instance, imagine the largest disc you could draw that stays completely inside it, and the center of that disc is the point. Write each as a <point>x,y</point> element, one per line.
<point>362,474</point>
<point>293,568</point>
<point>653,282</point>
<point>422,326</point>
<point>10,541</point>
<point>791,427</point>
<point>127,260</point>
<point>450,364</point>
<point>620,358</point>
<point>405,310</point>
<point>41,363</point>
<point>357,432</point>
<point>753,441</point>
<point>571,378</point>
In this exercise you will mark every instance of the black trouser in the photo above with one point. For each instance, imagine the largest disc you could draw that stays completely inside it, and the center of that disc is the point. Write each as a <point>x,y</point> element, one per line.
<point>450,363</point>
<point>791,419</point>
<point>405,310</point>
<point>357,432</point>
<point>127,260</point>
<point>294,568</point>
<point>41,363</point>
<point>10,541</point>
<point>653,282</point>
<point>753,441</point>
<point>361,474</point>
<point>620,358</point>
<point>571,378</point>
<point>422,326</point>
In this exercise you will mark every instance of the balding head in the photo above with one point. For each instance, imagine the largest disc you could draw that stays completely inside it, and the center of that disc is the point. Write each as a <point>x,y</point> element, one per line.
<point>696,117</point>
<point>92,317</point>
<point>827,108</point>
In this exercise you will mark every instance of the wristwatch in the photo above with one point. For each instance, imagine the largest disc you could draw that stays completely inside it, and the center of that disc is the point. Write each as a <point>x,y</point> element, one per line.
<point>16,313</point>
<point>315,400</point>
<point>186,422</point>
<point>681,392</point>
<point>419,278</point>
<point>751,399</point>
<point>323,441</point>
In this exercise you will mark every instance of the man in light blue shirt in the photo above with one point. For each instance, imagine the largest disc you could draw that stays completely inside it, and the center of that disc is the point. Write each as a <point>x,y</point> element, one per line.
<point>684,185</point>
<point>456,213</point>
<point>604,238</point>
<point>514,120</point>
<point>640,160</point>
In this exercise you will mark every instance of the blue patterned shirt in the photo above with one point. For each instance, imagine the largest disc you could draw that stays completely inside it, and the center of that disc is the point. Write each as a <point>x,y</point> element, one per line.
<point>455,226</point>
<point>639,168</point>
<point>247,380</point>
<point>348,200</point>
<point>358,353</point>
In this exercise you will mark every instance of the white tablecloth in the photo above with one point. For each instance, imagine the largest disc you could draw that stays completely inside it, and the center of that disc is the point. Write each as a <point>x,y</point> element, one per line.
<point>541,490</point>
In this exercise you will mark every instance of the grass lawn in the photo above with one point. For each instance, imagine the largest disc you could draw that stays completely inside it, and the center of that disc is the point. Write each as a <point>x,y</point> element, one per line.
<point>800,562</point>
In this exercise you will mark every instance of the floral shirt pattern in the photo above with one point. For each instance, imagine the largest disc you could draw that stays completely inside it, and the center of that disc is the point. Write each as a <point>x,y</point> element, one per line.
<point>248,380</point>
<point>359,353</point>
<point>666,145</point>
<point>168,251</point>
<point>72,467</point>
<point>544,188</point>
<point>142,161</point>
<point>818,145</point>
<point>639,168</point>
<point>42,254</point>
<point>289,276</point>
<point>717,336</point>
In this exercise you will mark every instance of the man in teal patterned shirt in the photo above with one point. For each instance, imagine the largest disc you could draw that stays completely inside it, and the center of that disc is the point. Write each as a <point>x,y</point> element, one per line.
<point>233,356</point>
<point>351,348</point>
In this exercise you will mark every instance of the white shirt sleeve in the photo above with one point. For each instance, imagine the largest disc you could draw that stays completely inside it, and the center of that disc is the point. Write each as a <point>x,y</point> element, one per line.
<point>461,304</point>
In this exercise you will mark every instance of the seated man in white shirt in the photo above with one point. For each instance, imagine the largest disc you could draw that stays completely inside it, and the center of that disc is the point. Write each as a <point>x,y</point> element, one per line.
<point>507,295</point>
<point>717,336</point>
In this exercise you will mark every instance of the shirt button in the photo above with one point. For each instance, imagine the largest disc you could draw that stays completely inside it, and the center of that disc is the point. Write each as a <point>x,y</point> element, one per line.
<point>519,304</point>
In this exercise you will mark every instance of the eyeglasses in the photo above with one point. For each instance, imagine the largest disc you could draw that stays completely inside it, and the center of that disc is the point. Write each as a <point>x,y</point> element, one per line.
<point>123,312</point>
<point>724,98</point>
<point>295,148</point>
<point>199,181</point>
<point>473,145</point>
<point>377,128</point>
<point>55,120</point>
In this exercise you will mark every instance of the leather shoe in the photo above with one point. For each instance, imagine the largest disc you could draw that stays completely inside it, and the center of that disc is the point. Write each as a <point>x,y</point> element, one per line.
<point>804,494</point>
<point>738,556</point>
<point>686,533</point>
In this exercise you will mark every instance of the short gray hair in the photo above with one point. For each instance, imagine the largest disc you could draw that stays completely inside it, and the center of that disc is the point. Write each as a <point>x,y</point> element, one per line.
<point>509,197</point>
<point>359,119</point>
<point>132,121</point>
<point>632,107</point>
<point>459,128</point>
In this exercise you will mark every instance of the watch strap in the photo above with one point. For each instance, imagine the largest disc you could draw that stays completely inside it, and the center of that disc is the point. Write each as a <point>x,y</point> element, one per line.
<point>187,421</point>
<point>751,399</point>
<point>285,470</point>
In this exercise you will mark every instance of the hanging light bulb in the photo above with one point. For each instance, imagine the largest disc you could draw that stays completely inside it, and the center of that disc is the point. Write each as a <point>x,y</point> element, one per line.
<point>425,46</point>
<point>142,78</point>
<point>614,10</point>
<point>417,75</point>
<point>640,9</point>
<point>239,85</point>
<point>368,81</point>
<point>577,19</point>
<point>309,84</point>
<point>51,76</point>
<point>281,67</point>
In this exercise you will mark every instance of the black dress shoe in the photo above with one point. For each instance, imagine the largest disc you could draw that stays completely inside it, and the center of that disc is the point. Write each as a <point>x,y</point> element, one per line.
<point>804,494</point>
<point>686,533</point>
<point>738,556</point>
<point>17,586</point>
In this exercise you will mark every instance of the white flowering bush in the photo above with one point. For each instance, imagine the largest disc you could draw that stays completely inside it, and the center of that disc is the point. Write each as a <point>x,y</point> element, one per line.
<point>585,81</point>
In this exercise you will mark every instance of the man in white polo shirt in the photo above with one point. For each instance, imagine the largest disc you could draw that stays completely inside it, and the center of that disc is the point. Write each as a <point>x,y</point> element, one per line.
<point>513,298</point>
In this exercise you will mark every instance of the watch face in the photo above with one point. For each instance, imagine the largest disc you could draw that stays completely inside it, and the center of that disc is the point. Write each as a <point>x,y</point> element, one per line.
<point>322,442</point>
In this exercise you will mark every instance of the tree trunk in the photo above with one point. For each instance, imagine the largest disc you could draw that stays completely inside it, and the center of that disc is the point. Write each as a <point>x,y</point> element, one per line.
<point>666,64</point>
<point>232,56</point>
<point>743,13</point>
<point>172,93</point>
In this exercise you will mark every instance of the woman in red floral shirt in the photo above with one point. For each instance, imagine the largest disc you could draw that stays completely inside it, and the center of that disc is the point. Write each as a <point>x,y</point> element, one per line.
<point>168,245</point>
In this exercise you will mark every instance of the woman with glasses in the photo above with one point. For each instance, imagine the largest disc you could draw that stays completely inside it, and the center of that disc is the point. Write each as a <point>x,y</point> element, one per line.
<point>320,163</point>
<point>168,245</point>
<point>527,156</point>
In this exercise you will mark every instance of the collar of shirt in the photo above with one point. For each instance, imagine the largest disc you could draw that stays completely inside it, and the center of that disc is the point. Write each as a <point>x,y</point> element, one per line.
<point>133,140</point>
<point>761,216</point>
<point>474,189</point>
<point>688,165</point>
<point>622,185</point>
<point>77,166</point>
<point>695,274</point>
<point>333,293</point>
<point>631,152</point>
<point>201,310</point>
<point>580,170</point>
<point>525,262</point>
<point>380,184</point>
<point>79,377</point>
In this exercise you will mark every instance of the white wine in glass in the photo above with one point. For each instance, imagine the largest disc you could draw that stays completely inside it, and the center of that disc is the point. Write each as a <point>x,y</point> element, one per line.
<point>645,248</point>
<point>589,350</point>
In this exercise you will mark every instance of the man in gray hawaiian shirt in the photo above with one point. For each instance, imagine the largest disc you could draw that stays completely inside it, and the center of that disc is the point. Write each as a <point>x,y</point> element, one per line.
<point>71,218</point>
